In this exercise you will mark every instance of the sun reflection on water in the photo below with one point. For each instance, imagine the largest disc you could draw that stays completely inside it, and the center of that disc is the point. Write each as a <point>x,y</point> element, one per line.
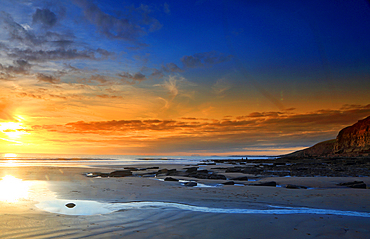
<point>13,189</point>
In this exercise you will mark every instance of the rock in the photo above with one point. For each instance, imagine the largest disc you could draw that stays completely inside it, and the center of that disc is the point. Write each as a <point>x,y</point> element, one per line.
<point>170,179</point>
<point>97,174</point>
<point>354,184</point>
<point>132,168</point>
<point>291,186</point>
<point>228,183</point>
<point>153,168</point>
<point>191,169</point>
<point>243,178</point>
<point>70,205</point>
<point>190,184</point>
<point>120,173</point>
<point>234,170</point>
<point>217,176</point>
<point>162,171</point>
<point>354,139</point>
<point>269,184</point>
<point>167,171</point>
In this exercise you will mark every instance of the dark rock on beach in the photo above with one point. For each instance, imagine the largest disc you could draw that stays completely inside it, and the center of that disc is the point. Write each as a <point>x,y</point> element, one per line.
<point>244,178</point>
<point>292,186</point>
<point>190,184</point>
<point>354,184</point>
<point>97,174</point>
<point>269,184</point>
<point>155,167</point>
<point>228,183</point>
<point>120,173</point>
<point>191,169</point>
<point>205,174</point>
<point>166,172</point>
<point>171,179</point>
<point>70,205</point>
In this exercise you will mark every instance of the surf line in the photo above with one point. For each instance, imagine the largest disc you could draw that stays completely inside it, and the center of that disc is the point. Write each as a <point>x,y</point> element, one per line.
<point>86,207</point>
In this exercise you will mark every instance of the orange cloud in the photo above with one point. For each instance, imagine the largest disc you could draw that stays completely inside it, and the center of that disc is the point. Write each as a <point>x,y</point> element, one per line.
<point>258,131</point>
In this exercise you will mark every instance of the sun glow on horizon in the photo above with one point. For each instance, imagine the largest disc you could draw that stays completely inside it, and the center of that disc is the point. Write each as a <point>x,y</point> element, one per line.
<point>10,155</point>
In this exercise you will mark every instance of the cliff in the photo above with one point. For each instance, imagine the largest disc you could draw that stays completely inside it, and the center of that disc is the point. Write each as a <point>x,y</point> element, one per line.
<point>352,141</point>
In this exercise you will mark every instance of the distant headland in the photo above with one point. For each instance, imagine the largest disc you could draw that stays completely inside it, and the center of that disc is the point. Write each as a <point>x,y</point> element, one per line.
<point>352,141</point>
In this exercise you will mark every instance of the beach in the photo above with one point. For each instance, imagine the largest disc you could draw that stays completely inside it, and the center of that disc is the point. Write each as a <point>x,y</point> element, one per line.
<point>144,205</point>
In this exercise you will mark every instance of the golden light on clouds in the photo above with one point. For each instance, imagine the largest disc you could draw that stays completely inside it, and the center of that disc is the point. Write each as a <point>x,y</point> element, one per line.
<point>12,129</point>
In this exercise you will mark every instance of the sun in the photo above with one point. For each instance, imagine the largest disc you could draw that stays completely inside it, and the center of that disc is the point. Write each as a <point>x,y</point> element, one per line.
<point>12,129</point>
<point>10,155</point>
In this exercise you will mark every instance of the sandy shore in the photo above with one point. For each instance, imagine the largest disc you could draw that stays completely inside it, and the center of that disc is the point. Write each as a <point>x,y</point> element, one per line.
<point>28,217</point>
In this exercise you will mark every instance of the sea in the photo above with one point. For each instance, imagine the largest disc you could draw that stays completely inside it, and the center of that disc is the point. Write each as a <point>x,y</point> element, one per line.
<point>111,160</point>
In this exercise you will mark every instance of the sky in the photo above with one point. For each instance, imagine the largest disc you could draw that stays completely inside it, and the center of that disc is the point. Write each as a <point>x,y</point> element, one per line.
<point>180,77</point>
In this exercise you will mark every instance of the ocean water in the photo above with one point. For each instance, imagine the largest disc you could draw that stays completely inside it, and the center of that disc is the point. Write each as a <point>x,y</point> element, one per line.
<point>110,160</point>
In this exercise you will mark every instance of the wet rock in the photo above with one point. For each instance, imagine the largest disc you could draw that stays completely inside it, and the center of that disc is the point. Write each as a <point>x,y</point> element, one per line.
<point>166,171</point>
<point>234,170</point>
<point>354,184</point>
<point>131,168</point>
<point>217,176</point>
<point>153,168</point>
<point>190,184</point>
<point>70,205</point>
<point>243,178</point>
<point>205,174</point>
<point>228,183</point>
<point>120,173</point>
<point>97,174</point>
<point>269,184</point>
<point>292,186</point>
<point>171,179</point>
<point>191,169</point>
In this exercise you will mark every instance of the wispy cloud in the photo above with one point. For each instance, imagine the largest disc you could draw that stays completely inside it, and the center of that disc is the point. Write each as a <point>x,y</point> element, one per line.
<point>130,27</point>
<point>205,59</point>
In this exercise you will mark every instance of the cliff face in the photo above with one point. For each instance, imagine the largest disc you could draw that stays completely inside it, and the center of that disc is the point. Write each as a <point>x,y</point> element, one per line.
<point>354,139</point>
<point>351,141</point>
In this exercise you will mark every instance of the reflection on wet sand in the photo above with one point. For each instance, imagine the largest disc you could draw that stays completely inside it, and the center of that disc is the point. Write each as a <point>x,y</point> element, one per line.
<point>13,189</point>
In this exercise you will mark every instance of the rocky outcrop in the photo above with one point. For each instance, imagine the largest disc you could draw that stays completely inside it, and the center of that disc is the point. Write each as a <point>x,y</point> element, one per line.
<point>352,141</point>
<point>320,149</point>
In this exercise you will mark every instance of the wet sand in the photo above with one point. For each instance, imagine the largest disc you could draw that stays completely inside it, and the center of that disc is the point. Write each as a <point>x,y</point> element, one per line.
<point>25,219</point>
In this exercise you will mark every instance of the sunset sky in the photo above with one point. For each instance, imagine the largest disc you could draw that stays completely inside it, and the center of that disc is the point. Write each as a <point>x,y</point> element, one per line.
<point>180,77</point>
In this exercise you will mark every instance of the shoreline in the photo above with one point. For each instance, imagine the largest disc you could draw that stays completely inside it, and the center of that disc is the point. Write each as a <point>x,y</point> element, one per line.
<point>71,183</point>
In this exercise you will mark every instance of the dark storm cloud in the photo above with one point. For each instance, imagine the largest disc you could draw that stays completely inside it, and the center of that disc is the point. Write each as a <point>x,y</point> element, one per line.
<point>45,17</point>
<point>205,59</point>
<point>128,27</point>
